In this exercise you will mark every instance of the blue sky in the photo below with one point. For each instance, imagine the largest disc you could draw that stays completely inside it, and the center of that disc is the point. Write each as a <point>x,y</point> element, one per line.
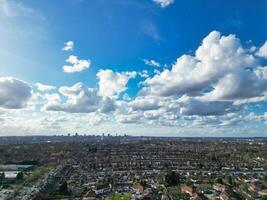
<point>126,69</point>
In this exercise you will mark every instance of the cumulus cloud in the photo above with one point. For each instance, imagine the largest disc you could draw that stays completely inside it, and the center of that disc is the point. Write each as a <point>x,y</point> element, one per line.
<point>262,51</point>
<point>76,65</point>
<point>79,100</point>
<point>152,114</point>
<point>147,110</point>
<point>143,74</point>
<point>108,105</point>
<point>221,70</point>
<point>111,83</point>
<point>52,100</point>
<point>130,118</point>
<point>144,104</point>
<point>152,63</point>
<point>43,87</point>
<point>212,87</point>
<point>217,57</point>
<point>164,3</point>
<point>68,46</point>
<point>14,93</point>
<point>193,106</point>
<point>219,79</point>
<point>244,85</point>
<point>95,119</point>
<point>229,119</point>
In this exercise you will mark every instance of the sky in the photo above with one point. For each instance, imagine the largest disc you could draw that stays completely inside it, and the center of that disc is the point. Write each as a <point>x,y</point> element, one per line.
<point>139,67</point>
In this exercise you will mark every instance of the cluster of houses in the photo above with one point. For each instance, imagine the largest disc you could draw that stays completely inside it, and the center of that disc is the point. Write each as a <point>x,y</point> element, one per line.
<point>104,167</point>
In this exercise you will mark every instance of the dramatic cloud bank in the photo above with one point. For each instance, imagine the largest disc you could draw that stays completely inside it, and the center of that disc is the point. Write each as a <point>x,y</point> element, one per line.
<point>220,74</point>
<point>213,87</point>
<point>221,78</point>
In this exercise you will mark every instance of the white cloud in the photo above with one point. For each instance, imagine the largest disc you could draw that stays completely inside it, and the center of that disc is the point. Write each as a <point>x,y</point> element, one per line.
<point>164,3</point>
<point>253,116</point>
<point>152,63</point>
<point>217,57</point>
<point>52,99</point>
<point>143,74</point>
<point>144,104</point>
<point>95,119</point>
<point>221,70</point>
<point>68,46</point>
<point>241,86</point>
<point>152,115</point>
<point>211,88</point>
<point>130,118</point>
<point>108,105</point>
<point>14,93</point>
<point>194,106</point>
<point>77,65</point>
<point>43,87</point>
<point>262,51</point>
<point>79,100</point>
<point>220,78</point>
<point>111,83</point>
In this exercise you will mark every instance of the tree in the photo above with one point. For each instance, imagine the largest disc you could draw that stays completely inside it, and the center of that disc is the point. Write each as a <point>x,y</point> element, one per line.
<point>213,157</point>
<point>19,176</point>
<point>229,180</point>
<point>265,178</point>
<point>143,183</point>
<point>218,180</point>
<point>63,189</point>
<point>172,179</point>
<point>2,175</point>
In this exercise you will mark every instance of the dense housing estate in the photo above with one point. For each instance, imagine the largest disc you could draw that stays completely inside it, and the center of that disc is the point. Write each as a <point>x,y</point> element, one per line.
<point>108,167</point>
